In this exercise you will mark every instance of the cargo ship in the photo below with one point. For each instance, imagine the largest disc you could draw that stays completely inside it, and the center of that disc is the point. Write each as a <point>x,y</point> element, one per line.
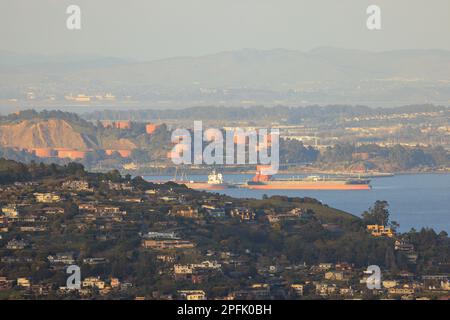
<point>215,182</point>
<point>263,181</point>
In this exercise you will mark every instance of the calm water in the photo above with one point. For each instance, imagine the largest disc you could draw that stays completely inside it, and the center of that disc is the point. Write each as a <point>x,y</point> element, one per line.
<point>416,200</point>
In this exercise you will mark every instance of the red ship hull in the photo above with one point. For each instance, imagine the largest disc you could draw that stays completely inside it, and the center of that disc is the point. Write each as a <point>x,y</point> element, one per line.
<point>308,186</point>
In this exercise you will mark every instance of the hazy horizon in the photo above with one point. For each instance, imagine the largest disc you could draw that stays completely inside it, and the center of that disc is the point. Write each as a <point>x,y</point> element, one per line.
<point>201,52</point>
<point>87,56</point>
<point>152,30</point>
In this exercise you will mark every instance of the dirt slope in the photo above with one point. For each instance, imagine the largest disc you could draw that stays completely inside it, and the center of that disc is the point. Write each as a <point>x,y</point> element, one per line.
<point>52,133</point>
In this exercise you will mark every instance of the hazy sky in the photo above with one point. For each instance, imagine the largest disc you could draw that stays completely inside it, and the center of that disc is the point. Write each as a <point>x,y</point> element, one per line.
<point>151,29</point>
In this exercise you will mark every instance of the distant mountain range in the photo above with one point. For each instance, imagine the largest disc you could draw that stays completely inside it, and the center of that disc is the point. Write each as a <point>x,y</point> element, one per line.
<point>323,76</point>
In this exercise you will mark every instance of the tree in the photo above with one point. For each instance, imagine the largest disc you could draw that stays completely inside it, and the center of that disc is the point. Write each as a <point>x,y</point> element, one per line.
<point>394,225</point>
<point>74,168</point>
<point>389,260</point>
<point>378,214</point>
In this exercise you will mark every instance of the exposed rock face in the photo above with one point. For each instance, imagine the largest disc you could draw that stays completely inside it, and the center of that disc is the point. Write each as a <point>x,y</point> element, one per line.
<point>118,144</point>
<point>52,133</point>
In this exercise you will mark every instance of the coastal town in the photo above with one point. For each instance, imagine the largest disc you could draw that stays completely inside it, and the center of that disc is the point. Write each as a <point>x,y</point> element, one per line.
<point>132,239</point>
<point>225,159</point>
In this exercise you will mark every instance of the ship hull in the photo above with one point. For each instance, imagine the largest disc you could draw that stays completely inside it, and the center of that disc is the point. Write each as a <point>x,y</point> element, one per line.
<point>307,186</point>
<point>206,186</point>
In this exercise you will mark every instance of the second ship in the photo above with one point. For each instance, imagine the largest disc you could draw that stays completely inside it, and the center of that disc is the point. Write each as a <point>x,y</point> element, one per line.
<point>263,181</point>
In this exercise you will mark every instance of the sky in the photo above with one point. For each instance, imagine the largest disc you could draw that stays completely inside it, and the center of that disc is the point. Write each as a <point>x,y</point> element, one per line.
<point>155,29</point>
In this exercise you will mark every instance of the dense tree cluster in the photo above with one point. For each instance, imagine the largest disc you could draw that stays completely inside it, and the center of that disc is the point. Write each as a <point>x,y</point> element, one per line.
<point>398,157</point>
<point>292,115</point>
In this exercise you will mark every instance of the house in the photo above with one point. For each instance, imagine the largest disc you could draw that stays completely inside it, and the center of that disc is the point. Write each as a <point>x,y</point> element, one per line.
<point>260,290</point>
<point>388,284</point>
<point>5,284</point>
<point>16,244</point>
<point>199,277</point>
<point>41,289</point>
<point>334,275</point>
<point>32,229</point>
<point>215,212</point>
<point>165,258</point>
<point>297,212</point>
<point>48,197</point>
<point>243,213</point>
<point>213,265</point>
<point>408,249</point>
<point>167,244</point>
<point>106,290</point>
<point>160,235</point>
<point>77,185</point>
<point>23,282</point>
<point>346,291</point>
<point>445,285</point>
<point>94,261</point>
<point>293,214</point>
<point>134,200</point>
<point>401,245</point>
<point>324,289</point>
<point>109,210</point>
<point>126,285</point>
<point>380,231</point>
<point>10,211</point>
<point>28,218</point>
<point>16,260</point>
<point>273,218</point>
<point>401,291</point>
<point>187,212</point>
<point>192,294</point>
<point>118,186</point>
<point>180,269</point>
<point>63,258</point>
<point>53,210</point>
<point>298,289</point>
<point>343,266</point>
<point>435,282</point>
<point>115,283</point>
<point>169,198</point>
<point>324,266</point>
<point>93,282</point>
<point>87,207</point>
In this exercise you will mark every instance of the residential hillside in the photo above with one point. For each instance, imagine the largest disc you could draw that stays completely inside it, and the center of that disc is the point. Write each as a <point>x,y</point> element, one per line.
<point>132,238</point>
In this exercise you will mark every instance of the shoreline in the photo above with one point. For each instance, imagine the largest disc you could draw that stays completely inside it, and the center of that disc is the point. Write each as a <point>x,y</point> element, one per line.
<point>200,172</point>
